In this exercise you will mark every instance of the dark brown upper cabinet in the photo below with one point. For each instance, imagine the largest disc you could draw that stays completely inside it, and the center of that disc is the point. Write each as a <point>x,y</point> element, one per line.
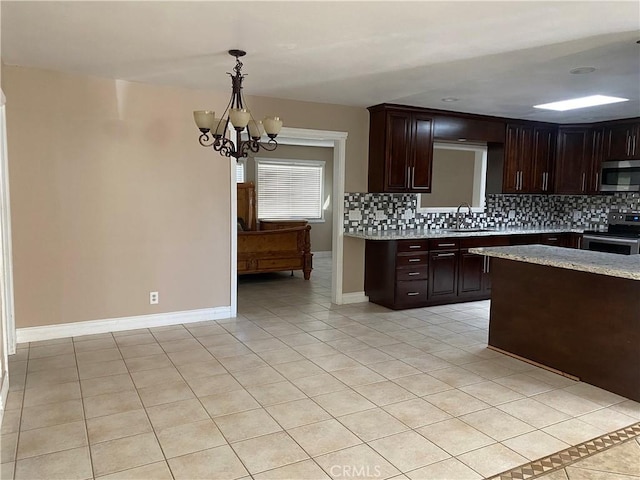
<point>573,161</point>
<point>400,150</point>
<point>622,141</point>
<point>528,158</point>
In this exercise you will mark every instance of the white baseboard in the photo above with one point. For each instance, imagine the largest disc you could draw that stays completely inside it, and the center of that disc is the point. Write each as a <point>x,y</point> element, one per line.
<point>322,254</point>
<point>48,332</point>
<point>354,297</point>
<point>4,393</point>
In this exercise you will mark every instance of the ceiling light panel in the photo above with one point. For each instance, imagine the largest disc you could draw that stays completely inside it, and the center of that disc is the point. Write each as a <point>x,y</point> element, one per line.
<point>582,102</point>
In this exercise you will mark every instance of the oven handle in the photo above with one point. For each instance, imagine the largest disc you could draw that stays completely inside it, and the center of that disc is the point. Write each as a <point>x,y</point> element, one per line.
<point>618,241</point>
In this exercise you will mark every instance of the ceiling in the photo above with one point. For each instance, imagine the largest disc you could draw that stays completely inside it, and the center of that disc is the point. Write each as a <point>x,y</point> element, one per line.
<point>496,58</point>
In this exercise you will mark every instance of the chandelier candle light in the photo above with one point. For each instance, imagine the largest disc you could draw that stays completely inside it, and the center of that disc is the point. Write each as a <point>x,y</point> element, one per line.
<point>213,130</point>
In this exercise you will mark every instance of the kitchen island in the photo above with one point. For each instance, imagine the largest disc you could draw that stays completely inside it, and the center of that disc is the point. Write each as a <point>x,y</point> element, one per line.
<point>575,311</point>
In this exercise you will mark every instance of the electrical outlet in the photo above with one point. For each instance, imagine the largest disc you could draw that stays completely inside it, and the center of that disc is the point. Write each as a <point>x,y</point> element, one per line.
<point>154,298</point>
<point>380,215</point>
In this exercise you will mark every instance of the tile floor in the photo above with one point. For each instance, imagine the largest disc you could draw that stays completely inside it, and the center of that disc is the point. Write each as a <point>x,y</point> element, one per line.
<point>295,387</point>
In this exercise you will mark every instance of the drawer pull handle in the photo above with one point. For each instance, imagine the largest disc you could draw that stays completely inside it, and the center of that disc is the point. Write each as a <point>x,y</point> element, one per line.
<point>445,254</point>
<point>412,274</point>
<point>415,246</point>
<point>413,294</point>
<point>446,244</point>
<point>552,239</point>
<point>414,260</point>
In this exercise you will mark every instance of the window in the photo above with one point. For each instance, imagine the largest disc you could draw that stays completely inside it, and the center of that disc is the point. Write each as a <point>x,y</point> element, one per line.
<point>290,189</point>
<point>241,168</point>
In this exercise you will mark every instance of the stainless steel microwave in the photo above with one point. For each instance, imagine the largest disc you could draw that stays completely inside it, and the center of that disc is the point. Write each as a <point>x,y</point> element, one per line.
<point>620,176</point>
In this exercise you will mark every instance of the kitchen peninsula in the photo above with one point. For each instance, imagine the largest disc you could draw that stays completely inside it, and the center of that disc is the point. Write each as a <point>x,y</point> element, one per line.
<point>575,311</point>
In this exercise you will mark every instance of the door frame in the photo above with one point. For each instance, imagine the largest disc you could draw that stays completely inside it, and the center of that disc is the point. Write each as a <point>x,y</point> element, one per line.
<point>313,138</point>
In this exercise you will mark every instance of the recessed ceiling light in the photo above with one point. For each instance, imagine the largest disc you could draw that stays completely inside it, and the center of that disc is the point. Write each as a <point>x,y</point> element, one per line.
<point>581,102</point>
<point>450,99</point>
<point>582,70</point>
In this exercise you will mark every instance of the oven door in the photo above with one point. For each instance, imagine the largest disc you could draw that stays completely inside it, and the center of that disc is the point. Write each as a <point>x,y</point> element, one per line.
<point>620,176</point>
<point>601,243</point>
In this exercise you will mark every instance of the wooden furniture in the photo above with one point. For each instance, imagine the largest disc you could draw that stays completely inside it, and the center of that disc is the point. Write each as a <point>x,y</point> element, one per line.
<point>270,245</point>
<point>528,158</point>
<point>622,141</point>
<point>579,323</point>
<point>400,150</point>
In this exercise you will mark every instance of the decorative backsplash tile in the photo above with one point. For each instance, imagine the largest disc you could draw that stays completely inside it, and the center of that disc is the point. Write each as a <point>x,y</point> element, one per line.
<point>375,211</point>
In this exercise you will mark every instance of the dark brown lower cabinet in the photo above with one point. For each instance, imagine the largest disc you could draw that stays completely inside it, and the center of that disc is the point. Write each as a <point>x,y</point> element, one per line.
<point>443,276</point>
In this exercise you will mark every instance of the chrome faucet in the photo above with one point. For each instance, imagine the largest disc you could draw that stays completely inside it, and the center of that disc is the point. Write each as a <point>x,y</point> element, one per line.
<point>463,204</point>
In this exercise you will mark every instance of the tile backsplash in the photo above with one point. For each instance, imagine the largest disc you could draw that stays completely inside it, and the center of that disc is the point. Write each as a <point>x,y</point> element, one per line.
<point>379,211</point>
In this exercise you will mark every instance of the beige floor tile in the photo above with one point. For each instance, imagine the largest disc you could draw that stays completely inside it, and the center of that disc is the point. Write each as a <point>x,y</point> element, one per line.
<point>72,464</point>
<point>104,385</point>
<point>343,402</point>
<point>319,384</point>
<point>269,344</point>
<point>422,384</point>
<point>334,362</point>
<point>384,393</point>
<point>205,330</point>
<point>535,445</point>
<point>150,362</point>
<point>242,362</point>
<point>372,424</point>
<point>159,376</point>
<point>455,437</point>
<point>492,460</point>
<point>215,384</point>
<point>101,369</point>
<point>174,332</point>
<point>105,355</point>
<point>305,470</point>
<point>14,400</point>
<point>193,371</point>
<point>573,431</point>
<point>45,394</point>
<point>259,376</point>
<point>112,427</point>
<point>408,450</point>
<point>137,339</point>
<point>567,402</point>
<point>218,340</point>
<point>125,453</point>
<point>52,414</point>
<point>449,469</point>
<point>577,473</point>
<point>299,339</point>
<point>533,412</point>
<point>497,424</point>
<point>236,349</point>
<point>106,341</point>
<point>492,393</point>
<point>551,378</point>
<point>51,350</point>
<point>594,394</point>
<point>177,413</point>
<point>155,471</point>
<point>11,421</point>
<point>393,369</point>
<point>219,462</point>
<point>524,384</point>
<point>52,377</point>
<point>229,402</point>
<point>456,402</point>
<point>187,357</point>
<point>184,344</point>
<point>359,462</point>
<point>369,355</point>
<point>245,425</point>
<point>189,438</point>
<point>275,393</point>
<point>111,403</point>
<point>268,452</point>
<point>51,439</point>
<point>284,355</point>
<point>557,475</point>
<point>623,459</point>
<point>165,393</point>
<point>358,376</point>
<point>628,407</point>
<point>8,447</point>
<point>144,350</point>
<point>456,376</point>
<point>51,363</point>
<point>7,470</point>
<point>417,412</point>
<point>299,369</point>
<point>608,419</point>
<point>297,413</point>
<point>323,437</point>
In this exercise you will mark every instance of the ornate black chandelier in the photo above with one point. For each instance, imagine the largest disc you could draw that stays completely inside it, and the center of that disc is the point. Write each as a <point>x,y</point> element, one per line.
<point>214,130</point>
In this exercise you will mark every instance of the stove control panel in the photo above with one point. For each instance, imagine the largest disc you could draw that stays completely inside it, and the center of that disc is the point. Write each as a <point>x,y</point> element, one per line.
<point>628,218</point>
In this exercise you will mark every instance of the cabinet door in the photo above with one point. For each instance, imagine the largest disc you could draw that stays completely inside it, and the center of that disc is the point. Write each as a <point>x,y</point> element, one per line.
<point>619,142</point>
<point>397,152</point>
<point>422,154</point>
<point>511,171</point>
<point>597,151</point>
<point>572,161</point>
<point>544,143</point>
<point>443,275</point>
<point>470,274</point>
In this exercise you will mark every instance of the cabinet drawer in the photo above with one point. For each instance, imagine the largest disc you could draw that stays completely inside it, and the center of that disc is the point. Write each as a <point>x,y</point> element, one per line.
<point>412,260</point>
<point>444,244</point>
<point>411,292</point>
<point>413,246</point>
<point>492,241</point>
<point>418,273</point>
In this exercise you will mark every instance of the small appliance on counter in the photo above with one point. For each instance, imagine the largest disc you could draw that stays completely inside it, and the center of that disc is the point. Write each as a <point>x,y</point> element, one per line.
<point>622,235</point>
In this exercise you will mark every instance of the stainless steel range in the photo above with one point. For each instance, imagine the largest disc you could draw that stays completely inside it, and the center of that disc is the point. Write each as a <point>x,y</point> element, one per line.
<point>622,235</point>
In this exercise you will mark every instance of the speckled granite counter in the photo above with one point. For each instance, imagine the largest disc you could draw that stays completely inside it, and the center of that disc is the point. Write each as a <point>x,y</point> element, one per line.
<point>442,233</point>
<point>610,264</point>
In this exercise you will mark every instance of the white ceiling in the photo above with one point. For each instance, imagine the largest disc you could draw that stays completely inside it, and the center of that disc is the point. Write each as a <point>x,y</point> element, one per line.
<point>497,58</point>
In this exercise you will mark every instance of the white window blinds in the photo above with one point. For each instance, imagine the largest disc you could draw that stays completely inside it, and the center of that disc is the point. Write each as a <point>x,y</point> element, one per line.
<point>290,189</point>
<point>240,170</point>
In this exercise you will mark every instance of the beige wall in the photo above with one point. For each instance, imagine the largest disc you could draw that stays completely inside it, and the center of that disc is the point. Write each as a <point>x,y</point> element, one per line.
<point>320,231</point>
<point>453,175</point>
<point>112,197</point>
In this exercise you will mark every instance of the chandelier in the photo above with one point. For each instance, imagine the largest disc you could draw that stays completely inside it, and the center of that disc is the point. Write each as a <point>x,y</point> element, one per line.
<point>213,131</point>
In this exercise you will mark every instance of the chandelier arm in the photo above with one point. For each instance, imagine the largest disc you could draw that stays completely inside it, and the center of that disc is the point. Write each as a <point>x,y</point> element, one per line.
<point>269,146</point>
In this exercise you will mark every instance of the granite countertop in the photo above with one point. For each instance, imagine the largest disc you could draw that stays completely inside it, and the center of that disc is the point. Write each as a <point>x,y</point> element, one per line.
<point>442,233</point>
<point>611,264</point>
